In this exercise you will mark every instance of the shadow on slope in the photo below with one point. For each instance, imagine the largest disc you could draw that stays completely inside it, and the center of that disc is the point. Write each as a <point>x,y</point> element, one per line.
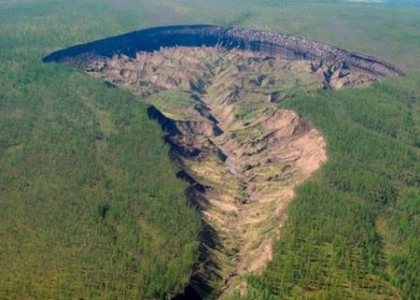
<point>269,43</point>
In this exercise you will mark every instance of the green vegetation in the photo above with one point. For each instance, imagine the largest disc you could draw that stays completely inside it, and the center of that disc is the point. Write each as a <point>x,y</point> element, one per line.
<point>91,208</point>
<point>173,101</point>
<point>90,205</point>
<point>352,230</point>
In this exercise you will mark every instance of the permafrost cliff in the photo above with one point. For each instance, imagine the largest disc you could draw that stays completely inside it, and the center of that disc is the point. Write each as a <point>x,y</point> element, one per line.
<point>215,90</point>
<point>269,43</point>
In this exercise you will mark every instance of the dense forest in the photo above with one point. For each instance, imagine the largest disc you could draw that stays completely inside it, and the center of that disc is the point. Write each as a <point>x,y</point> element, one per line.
<point>353,231</point>
<point>90,204</point>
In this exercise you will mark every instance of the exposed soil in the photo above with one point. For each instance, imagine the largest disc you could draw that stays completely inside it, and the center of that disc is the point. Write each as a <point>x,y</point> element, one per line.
<point>242,155</point>
<point>217,102</point>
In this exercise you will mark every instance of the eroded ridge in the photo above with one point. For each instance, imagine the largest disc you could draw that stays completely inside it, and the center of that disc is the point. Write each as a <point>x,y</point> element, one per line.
<point>242,155</point>
<point>217,101</point>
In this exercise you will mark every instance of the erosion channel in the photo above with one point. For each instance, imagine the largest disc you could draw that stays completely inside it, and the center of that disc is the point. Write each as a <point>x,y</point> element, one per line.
<point>216,98</point>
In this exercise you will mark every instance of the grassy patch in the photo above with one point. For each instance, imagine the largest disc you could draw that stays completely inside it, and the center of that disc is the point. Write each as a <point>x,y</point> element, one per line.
<point>172,102</point>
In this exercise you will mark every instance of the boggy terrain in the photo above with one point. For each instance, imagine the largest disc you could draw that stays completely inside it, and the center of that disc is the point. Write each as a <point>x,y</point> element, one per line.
<point>242,155</point>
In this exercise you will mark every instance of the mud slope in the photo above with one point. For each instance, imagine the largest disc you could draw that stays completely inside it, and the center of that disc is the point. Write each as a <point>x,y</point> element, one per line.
<point>217,103</point>
<point>242,155</point>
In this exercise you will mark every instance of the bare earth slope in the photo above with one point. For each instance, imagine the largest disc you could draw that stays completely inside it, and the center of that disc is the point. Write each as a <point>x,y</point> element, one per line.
<point>242,154</point>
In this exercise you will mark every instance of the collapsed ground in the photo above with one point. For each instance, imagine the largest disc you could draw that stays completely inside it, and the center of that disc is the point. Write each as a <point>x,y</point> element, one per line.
<point>242,154</point>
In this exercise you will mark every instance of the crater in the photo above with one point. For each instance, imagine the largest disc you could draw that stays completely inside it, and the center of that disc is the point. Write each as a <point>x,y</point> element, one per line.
<point>215,92</point>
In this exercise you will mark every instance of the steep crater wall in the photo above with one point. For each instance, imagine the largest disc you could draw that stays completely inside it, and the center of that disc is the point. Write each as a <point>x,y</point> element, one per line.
<point>269,43</point>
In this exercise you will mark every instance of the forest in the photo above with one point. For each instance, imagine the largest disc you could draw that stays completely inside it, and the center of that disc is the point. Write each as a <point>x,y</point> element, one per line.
<point>352,230</point>
<point>91,207</point>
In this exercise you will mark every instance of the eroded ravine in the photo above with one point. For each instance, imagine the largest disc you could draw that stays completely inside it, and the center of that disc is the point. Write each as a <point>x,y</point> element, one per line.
<point>242,154</point>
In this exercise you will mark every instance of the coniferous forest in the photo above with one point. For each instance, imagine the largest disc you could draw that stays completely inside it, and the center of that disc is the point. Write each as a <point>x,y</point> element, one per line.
<point>90,205</point>
<point>353,230</point>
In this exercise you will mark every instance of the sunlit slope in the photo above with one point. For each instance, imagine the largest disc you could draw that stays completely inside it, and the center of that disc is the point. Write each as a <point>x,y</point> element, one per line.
<point>242,155</point>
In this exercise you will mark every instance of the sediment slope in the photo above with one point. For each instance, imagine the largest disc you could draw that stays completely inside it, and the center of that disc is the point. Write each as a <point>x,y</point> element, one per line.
<point>242,155</point>
<point>217,102</point>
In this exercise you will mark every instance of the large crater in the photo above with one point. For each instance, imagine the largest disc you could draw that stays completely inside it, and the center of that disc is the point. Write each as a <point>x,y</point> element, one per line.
<point>215,92</point>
